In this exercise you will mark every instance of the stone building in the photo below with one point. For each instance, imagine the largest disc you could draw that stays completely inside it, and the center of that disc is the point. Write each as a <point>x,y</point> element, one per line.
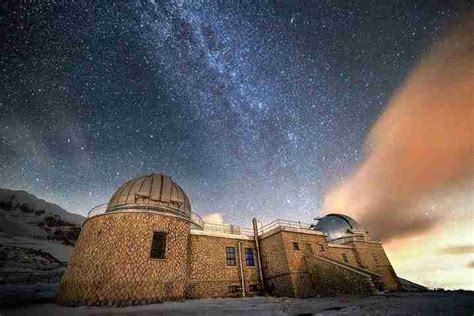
<point>146,246</point>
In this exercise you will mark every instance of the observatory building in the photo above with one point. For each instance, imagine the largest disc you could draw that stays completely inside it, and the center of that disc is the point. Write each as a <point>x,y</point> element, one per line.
<point>146,246</point>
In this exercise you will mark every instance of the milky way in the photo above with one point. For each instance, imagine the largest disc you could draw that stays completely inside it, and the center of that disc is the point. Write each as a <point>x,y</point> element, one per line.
<point>255,109</point>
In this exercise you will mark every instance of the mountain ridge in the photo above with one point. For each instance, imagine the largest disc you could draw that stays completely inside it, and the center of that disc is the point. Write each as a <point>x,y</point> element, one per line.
<point>35,234</point>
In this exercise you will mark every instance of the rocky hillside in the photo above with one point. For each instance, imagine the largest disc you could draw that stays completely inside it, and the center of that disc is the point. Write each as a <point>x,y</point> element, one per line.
<point>23,214</point>
<point>35,234</point>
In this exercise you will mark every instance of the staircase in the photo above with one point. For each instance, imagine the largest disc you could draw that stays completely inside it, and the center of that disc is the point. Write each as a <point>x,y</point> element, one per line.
<point>331,277</point>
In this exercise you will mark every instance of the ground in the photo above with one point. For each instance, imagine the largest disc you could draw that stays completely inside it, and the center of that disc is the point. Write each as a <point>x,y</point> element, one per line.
<point>428,303</point>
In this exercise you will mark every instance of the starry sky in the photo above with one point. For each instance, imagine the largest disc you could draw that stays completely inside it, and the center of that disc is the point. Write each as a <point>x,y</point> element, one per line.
<point>254,108</point>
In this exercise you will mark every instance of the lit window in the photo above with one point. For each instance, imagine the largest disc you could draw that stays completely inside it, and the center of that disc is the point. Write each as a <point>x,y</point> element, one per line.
<point>296,246</point>
<point>320,247</point>
<point>249,258</point>
<point>158,245</point>
<point>345,258</point>
<point>230,256</point>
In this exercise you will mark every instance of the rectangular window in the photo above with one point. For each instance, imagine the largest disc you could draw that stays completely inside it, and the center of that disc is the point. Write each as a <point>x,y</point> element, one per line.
<point>234,289</point>
<point>230,256</point>
<point>249,258</point>
<point>309,249</point>
<point>158,246</point>
<point>320,247</point>
<point>296,246</point>
<point>375,258</point>
<point>345,258</point>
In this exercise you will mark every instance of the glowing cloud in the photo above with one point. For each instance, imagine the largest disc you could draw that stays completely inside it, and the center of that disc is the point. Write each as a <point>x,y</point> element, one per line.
<point>420,148</point>
<point>215,218</point>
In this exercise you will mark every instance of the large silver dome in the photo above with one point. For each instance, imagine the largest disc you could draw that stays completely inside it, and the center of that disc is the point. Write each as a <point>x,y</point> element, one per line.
<point>337,226</point>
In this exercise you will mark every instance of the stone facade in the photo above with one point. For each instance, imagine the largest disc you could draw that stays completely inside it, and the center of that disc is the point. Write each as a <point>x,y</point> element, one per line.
<point>115,258</point>
<point>210,276</point>
<point>111,261</point>
<point>275,265</point>
<point>328,278</point>
<point>372,256</point>
<point>111,264</point>
<point>287,272</point>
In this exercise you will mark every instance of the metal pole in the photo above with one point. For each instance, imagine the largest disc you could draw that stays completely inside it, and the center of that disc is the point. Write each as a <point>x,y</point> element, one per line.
<point>259,258</point>
<point>241,269</point>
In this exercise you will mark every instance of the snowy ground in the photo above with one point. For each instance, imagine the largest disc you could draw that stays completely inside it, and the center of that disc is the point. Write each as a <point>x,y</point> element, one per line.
<point>60,252</point>
<point>450,303</point>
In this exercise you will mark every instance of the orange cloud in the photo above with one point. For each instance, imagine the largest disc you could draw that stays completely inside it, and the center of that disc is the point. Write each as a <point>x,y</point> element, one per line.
<point>420,146</point>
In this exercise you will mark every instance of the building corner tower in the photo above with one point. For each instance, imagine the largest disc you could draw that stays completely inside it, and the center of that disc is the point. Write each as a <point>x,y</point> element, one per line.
<point>134,249</point>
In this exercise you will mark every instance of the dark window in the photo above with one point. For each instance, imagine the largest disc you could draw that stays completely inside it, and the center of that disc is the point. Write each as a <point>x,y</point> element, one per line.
<point>234,288</point>
<point>158,245</point>
<point>253,288</point>
<point>309,249</point>
<point>230,256</point>
<point>249,259</point>
<point>296,246</point>
<point>344,257</point>
<point>320,247</point>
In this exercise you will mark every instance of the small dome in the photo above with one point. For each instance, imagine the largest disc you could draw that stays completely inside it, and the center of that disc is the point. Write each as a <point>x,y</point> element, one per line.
<point>154,191</point>
<point>337,226</point>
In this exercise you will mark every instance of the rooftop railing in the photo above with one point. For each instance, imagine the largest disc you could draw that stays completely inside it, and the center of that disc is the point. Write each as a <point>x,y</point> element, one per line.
<point>282,223</point>
<point>200,224</point>
<point>227,229</point>
<point>197,220</point>
<point>99,209</point>
<point>102,208</point>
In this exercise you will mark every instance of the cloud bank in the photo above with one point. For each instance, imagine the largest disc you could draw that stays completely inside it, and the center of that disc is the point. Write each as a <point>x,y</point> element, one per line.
<point>420,147</point>
<point>215,218</point>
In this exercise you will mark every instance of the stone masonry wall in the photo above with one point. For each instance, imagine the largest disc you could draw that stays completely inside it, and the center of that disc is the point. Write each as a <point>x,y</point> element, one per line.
<point>308,245</point>
<point>303,285</point>
<point>328,278</point>
<point>372,256</point>
<point>111,262</point>
<point>274,259</point>
<point>209,274</point>
<point>275,266</point>
<point>285,270</point>
<point>335,252</point>
<point>282,260</point>
<point>280,285</point>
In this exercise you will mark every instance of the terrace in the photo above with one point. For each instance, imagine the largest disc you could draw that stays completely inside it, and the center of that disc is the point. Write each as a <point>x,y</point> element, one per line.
<point>199,224</point>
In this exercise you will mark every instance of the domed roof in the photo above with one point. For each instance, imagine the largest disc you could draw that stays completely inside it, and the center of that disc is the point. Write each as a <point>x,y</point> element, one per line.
<point>337,226</point>
<point>154,191</point>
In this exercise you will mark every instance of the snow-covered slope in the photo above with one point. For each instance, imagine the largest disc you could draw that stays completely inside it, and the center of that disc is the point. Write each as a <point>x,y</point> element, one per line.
<point>31,229</point>
<point>23,214</point>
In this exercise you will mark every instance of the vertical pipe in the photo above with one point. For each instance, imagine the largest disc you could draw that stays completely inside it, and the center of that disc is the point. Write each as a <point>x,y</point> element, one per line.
<point>241,269</point>
<point>259,258</point>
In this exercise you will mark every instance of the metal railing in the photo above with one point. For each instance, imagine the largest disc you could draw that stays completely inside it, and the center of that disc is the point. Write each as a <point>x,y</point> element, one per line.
<point>99,209</point>
<point>282,223</point>
<point>102,208</point>
<point>197,220</point>
<point>227,229</point>
<point>200,224</point>
<point>30,277</point>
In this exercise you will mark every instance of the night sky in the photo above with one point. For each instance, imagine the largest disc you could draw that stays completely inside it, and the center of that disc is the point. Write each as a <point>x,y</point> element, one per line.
<point>255,109</point>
